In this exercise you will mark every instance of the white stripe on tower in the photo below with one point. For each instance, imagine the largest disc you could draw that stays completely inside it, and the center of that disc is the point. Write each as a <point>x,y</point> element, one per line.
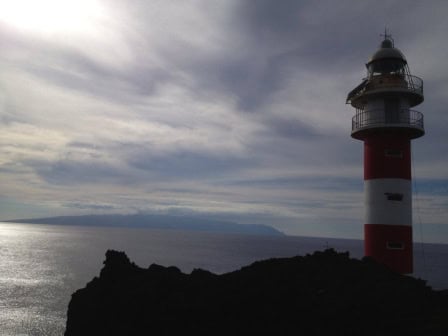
<point>388,201</point>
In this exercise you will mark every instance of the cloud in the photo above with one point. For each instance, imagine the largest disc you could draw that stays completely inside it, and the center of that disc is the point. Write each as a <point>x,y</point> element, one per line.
<point>233,109</point>
<point>186,164</point>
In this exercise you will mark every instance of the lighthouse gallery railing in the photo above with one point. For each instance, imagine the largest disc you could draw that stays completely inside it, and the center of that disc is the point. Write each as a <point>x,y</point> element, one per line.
<point>379,118</point>
<point>388,81</point>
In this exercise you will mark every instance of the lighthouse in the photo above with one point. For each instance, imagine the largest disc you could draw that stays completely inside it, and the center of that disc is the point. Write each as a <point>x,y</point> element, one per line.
<point>386,122</point>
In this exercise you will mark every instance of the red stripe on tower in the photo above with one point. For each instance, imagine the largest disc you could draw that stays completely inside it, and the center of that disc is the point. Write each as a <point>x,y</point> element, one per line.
<point>390,245</point>
<point>387,156</point>
<point>386,124</point>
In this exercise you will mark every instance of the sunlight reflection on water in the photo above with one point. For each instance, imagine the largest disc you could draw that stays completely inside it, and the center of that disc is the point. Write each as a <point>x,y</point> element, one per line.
<point>28,283</point>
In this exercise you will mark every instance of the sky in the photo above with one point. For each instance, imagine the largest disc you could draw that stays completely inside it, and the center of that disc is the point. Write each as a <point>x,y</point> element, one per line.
<point>231,110</point>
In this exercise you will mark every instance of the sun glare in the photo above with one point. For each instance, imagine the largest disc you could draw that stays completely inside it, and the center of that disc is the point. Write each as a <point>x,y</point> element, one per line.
<point>51,16</point>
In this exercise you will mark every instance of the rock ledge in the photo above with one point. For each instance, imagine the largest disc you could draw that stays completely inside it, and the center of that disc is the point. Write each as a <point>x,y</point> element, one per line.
<point>326,293</point>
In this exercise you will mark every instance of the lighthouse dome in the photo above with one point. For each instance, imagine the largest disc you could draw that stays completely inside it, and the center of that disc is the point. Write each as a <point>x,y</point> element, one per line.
<point>387,59</point>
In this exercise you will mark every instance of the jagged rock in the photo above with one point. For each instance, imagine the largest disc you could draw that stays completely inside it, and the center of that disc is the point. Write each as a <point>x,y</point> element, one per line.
<point>325,293</point>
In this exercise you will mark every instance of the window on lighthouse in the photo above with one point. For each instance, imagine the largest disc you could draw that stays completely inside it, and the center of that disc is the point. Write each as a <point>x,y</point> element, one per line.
<point>394,196</point>
<point>393,153</point>
<point>395,245</point>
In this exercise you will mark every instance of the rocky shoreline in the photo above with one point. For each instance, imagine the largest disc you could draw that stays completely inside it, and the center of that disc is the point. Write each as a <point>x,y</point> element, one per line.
<point>325,293</point>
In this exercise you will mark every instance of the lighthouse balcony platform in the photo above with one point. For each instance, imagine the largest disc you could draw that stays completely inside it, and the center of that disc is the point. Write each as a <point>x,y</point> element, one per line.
<point>411,86</point>
<point>377,121</point>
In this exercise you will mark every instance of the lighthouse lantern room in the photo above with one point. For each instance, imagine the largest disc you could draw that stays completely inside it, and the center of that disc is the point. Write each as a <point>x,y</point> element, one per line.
<point>386,124</point>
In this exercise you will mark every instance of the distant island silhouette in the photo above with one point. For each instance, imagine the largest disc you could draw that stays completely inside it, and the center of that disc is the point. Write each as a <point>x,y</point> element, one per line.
<point>151,221</point>
<point>326,293</point>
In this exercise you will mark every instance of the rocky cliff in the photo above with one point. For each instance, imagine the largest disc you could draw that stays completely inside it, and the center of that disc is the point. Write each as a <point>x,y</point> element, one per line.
<point>326,293</point>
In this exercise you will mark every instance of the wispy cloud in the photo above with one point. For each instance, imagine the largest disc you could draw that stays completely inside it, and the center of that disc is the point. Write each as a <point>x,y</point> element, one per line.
<point>231,109</point>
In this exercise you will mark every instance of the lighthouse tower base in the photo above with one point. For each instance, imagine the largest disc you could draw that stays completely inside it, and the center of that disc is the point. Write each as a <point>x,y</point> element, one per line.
<point>390,245</point>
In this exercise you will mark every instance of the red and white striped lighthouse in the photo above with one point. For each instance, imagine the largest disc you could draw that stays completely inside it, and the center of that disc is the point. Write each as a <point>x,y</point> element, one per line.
<point>385,122</point>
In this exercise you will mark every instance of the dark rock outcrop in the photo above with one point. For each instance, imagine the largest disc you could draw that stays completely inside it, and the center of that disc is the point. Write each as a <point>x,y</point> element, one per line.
<point>325,293</point>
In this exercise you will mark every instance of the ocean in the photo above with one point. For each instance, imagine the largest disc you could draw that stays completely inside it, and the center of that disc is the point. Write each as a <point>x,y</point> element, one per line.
<point>42,265</point>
